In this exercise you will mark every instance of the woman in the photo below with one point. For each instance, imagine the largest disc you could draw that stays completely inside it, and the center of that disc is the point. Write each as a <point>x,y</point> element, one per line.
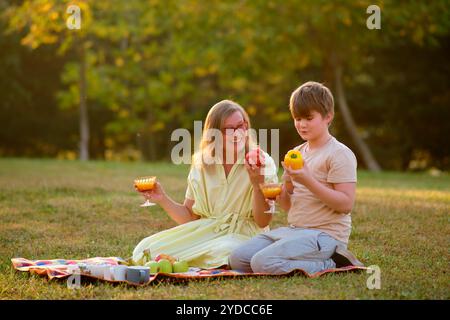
<point>223,206</point>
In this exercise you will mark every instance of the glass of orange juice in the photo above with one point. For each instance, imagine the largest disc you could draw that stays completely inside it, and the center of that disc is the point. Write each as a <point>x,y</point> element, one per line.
<point>145,184</point>
<point>270,192</point>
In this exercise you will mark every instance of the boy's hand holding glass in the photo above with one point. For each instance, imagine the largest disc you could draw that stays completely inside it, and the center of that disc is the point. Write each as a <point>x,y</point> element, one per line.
<point>271,191</point>
<point>287,183</point>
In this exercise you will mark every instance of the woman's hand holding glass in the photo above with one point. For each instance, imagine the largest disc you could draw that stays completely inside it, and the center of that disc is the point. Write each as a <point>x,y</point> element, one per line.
<point>151,189</point>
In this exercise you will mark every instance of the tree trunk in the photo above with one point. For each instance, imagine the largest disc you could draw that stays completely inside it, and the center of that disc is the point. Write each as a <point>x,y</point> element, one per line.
<point>363,149</point>
<point>84,119</point>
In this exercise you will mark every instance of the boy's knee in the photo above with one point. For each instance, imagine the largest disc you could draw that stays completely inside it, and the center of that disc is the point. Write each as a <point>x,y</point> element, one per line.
<point>233,259</point>
<point>237,259</point>
<point>260,263</point>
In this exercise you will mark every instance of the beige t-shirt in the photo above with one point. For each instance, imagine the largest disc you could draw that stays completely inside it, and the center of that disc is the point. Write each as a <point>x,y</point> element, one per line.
<point>332,163</point>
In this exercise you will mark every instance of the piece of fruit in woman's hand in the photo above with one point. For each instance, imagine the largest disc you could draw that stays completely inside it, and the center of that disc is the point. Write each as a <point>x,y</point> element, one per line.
<point>255,157</point>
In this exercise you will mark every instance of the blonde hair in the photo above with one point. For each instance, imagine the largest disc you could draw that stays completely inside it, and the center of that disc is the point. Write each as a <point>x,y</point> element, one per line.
<point>215,120</point>
<point>311,96</point>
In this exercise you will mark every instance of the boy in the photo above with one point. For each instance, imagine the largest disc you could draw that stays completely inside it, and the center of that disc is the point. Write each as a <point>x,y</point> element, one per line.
<point>318,198</point>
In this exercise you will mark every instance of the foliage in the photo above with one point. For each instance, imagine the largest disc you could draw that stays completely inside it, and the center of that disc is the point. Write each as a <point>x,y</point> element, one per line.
<point>154,66</point>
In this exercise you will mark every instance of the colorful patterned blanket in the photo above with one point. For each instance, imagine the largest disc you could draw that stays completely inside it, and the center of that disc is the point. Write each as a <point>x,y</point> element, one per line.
<point>61,268</point>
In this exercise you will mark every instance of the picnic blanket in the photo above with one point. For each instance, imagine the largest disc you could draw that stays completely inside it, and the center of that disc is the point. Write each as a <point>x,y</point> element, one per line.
<point>62,268</point>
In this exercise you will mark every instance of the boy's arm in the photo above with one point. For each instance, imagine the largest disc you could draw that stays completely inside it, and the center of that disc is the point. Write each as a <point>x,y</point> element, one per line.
<point>285,197</point>
<point>341,198</point>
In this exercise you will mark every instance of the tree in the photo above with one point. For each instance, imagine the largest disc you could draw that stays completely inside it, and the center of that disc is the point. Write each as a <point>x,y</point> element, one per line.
<point>145,68</point>
<point>43,21</point>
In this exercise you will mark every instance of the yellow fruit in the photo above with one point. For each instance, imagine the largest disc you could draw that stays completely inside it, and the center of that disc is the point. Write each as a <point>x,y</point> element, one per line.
<point>147,257</point>
<point>293,159</point>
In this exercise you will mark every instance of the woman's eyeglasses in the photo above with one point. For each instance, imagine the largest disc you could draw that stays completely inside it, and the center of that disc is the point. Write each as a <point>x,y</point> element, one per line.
<point>230,131</point>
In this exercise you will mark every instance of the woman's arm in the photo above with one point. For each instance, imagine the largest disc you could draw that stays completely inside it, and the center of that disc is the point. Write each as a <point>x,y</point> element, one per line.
<point>259,204</point>
<point>180,213</point>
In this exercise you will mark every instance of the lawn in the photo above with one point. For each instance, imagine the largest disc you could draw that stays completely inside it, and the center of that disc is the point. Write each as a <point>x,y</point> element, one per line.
<point>68,209</point>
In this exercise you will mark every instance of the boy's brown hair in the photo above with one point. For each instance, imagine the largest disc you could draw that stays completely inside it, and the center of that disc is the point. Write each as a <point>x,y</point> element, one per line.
<point>311,96</point>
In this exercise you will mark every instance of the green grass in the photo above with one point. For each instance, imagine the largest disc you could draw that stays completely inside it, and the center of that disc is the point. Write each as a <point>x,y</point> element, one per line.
<point>67,209</point>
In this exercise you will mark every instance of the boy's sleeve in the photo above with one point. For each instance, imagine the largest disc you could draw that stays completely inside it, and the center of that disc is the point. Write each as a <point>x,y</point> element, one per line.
<point>342,167</point>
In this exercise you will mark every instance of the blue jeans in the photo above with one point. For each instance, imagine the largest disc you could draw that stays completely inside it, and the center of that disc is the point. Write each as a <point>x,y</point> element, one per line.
<point>285,249</point>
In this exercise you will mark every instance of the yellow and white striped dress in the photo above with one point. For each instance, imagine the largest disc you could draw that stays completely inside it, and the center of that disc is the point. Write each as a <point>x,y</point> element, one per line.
<point>225,207</point>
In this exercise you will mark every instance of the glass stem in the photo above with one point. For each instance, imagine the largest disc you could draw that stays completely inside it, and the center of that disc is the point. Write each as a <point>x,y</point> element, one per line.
<point>272,206</point>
